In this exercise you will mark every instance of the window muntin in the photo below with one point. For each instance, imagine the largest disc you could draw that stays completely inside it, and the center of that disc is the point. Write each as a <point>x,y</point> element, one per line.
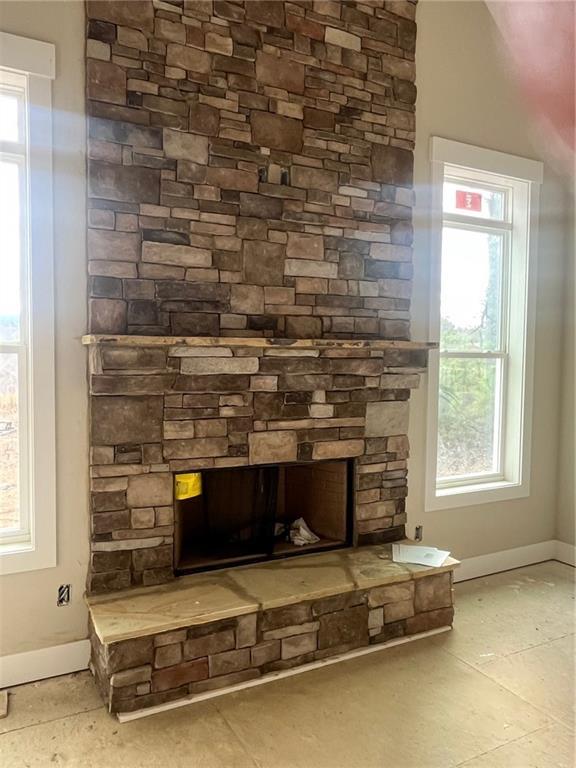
<point>15,473</point>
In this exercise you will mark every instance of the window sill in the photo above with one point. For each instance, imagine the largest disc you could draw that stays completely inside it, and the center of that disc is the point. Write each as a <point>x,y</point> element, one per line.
<point>23,556</point>
<point>472,495</point>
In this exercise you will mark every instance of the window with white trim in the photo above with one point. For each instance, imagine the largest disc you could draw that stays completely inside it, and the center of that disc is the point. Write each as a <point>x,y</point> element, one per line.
<point>27,413</point>
<point>482,313</point>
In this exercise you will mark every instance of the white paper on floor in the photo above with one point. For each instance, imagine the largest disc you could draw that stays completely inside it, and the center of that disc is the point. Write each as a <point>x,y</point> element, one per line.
<point>406,553</point>
<point>300,534</point>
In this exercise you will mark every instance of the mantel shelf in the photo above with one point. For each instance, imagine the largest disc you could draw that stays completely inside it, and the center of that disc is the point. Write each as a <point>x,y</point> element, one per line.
<point>225,341</point>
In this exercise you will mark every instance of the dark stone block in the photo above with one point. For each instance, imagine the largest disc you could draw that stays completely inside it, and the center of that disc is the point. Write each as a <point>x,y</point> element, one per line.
<point>116,420</point>
<point>344,627</point>
<point>392,165</point>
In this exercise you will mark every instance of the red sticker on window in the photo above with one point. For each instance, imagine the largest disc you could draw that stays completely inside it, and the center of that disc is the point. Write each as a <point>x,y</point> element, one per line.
<point>468,201</point>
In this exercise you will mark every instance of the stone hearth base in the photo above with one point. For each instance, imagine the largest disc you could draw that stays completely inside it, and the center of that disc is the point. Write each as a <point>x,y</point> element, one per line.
<point>210,631</point>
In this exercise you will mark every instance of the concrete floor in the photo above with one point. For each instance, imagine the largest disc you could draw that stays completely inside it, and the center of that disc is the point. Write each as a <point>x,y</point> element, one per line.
<point>497,692</point>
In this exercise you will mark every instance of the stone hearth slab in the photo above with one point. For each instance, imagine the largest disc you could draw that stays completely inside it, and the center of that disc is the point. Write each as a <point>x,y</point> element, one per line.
<point>208,597</point>
<point>211,631</point>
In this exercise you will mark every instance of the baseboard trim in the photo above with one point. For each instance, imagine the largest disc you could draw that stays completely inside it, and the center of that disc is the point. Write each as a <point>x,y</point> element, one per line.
<point>125,717</point>
<point>20,668</point>
<point>508,559</point>
<point>565,553</point>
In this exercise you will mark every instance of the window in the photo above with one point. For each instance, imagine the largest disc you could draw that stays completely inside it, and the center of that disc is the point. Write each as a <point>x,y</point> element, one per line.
<point>482,313</point>
<point>27,452</point>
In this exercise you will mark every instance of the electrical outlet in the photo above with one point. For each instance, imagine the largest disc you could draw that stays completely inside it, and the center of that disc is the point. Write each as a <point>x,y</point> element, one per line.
<point>418,533</point>
<point>63,598</point>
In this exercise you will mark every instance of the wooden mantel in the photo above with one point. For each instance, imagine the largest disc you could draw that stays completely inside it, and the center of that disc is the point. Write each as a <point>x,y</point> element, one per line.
<point>225,341</point>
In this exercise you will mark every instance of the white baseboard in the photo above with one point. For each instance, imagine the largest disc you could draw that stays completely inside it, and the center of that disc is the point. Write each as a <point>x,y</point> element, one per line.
<point>508,559</point>
<point>565,553</point>
<point>57,660</point>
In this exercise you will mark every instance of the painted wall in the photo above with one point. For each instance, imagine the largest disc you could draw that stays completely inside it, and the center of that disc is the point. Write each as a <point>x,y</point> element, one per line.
<point>566,520</point>
<point>29,618</point>
<point>464,94</point>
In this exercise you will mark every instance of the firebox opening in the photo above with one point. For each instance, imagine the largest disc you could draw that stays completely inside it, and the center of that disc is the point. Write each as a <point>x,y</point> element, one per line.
<point>249,514</point>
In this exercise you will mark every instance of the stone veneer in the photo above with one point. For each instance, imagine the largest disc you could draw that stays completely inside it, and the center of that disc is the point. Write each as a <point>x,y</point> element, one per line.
<point>250,167</point>
<point>163,405</point>
<point>146,671</point>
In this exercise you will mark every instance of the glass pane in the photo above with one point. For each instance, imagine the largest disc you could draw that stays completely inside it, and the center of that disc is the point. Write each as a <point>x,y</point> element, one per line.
<point>474,201</point>
<point>9,116</point>
<point>470,302</point>
<point>467,417</point>
<point>10,252</point>
<point>9,443</point>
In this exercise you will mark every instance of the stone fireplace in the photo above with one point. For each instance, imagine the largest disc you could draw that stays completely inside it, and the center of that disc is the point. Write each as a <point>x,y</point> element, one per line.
<point>249,243</point>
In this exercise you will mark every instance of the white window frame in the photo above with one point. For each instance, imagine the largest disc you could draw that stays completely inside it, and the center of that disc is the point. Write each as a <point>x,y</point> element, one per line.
<point>524,177</point>
<point>35,61</point>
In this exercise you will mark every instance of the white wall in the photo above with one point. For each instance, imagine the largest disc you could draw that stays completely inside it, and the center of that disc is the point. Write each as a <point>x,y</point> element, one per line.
<point>29,618</point>
<point>464,94</point>
<point>566,519</point>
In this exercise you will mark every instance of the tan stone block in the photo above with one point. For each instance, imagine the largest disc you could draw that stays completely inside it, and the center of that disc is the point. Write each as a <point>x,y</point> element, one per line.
<point>398,611</point>
<point>306,268</point>
<point>192,59</point>
<point>131,676</point>
<point>107,315</point>
<point>132,38</point>
<point>105,81</point>
<point>290,631</point>
<point>247,298</point>
<point>392,593</point>
<point>264,383</point>
<point>246,630</point>
<point>211,427</point>
<point>231,178</point>
<point>152,489</point>
<point>170,638</point>
<point>304,246</point>
<point>433,592</point>
<point>299,645</point>
<point>337,449</point>
<point>423,622</point>
<point>375,618</point>
<point>269,13</point>
<point>263,653</point>
<point>137,13</point>
<point>117,420</point>
<point>216,642</point>
<point>278,72</point>
<point>177,255</point>
<point>169,30</point>
<point>272,447</point>
<point>204,447</point>
<point>129,184</point>
<point>263,263</point>
<point>215,365</point>
<point>142,518</point>
<point>392,165</point>
<point>167,656</point>
<point>343,39</point>
<point>387,418</point>
<point>276,132</point>
<point>129,653</point>
<point>204,119</point>
<point>314,178</point>
<point>218,44</point>
<point>185,146</point>
<point>229,661</point>
<point>277,295</point>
